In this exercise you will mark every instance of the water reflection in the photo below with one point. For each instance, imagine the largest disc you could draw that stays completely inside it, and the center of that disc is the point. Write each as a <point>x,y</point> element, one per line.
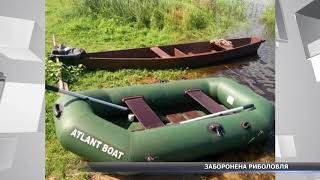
<point>257,72</point>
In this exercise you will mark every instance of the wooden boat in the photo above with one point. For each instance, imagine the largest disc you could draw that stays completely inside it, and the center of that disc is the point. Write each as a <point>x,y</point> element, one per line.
<point>163,127</point>
<point>190,55</point>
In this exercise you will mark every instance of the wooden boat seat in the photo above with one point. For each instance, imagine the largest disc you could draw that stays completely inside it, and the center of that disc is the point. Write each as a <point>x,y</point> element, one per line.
<point>143,112</point>
<point>205,101</point>
<point>178,53</point>
<point>160,52</point>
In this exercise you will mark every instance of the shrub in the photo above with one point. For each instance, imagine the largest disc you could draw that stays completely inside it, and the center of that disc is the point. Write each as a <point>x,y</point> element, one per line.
<point>196,19</point>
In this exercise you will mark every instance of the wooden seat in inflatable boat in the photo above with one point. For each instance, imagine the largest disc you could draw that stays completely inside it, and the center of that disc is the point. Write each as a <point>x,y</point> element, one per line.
<point>149,119</point>
<point>204,100</point>
<point>142,111</point>
<point>211,105</point>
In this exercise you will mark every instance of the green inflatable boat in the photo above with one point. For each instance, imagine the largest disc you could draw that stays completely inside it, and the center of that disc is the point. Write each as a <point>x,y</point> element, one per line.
<point>175,121</point>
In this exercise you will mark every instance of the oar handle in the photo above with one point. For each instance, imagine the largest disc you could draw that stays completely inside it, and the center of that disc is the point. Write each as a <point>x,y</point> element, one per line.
<point>52,88</point>
<point>55,89</point>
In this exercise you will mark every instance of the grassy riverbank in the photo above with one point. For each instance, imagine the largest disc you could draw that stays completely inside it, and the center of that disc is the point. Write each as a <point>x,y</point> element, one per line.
<point>113,24</point>
<point>269,17</point>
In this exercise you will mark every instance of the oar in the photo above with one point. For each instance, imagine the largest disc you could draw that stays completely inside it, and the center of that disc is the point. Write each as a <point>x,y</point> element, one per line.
<point>58,90</point>
<point>219,113</point>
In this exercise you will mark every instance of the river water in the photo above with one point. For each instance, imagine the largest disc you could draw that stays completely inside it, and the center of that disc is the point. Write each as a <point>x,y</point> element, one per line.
<point>257,72</point>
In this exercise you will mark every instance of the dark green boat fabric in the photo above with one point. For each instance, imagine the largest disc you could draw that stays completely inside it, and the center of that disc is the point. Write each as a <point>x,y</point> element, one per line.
<point>99,133</point>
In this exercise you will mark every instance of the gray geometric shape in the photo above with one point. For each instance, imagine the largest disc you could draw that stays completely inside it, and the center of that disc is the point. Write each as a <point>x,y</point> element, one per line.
<point>37,44</point>
<point>31,10</point>
<point>308,20</point>
<point>277,148</point>
<point>316,176</point>
<point>28,161</point>
<point>22,71</point>
<point>2,83</point>
<point>17,36</point>
<point>310,34</point>
<point>21,106</point>
<point>297,94</point>
<point>21,50</point>
<point>315,61</point>
<point>293,176</point>
<point>311,10</point>
<point>7,152</point>
<point>281,32</point>
<point>22,61</point>
<point>41,124</point>
<point>285,146</point>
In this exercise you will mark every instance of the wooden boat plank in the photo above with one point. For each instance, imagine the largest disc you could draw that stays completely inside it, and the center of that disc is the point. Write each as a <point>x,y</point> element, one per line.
<point>160,52</point>
<point>203,99</point>
<point>178,53</point>
<point>175,118</point>
<point>179,117</point>
<point>143,112</point>
<point>192,114</point>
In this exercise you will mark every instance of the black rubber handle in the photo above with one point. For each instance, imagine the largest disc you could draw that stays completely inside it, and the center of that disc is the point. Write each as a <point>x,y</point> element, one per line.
<point>52,88</point>
<point>248,106</point>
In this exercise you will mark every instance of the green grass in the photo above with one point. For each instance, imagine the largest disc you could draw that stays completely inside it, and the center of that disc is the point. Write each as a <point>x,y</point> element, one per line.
<point>140,24</point>
<point>268,18</point>
<point>114,24</point>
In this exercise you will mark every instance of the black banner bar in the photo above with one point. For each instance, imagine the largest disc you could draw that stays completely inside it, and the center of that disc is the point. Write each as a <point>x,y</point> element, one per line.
<point>197,167</point>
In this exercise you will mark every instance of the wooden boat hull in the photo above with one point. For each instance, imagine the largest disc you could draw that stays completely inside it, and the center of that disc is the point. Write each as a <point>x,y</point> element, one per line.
<point>99,133</point>
<point>195,55</point>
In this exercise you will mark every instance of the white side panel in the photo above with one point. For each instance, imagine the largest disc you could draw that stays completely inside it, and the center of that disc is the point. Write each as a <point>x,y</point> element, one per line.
<point>7,152</point>
<point>20,107</point>
<point>19,54</point>
<point>316,66</point>
<point>314,48</point>
<point>15,33</point>
<point>285,146</point>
